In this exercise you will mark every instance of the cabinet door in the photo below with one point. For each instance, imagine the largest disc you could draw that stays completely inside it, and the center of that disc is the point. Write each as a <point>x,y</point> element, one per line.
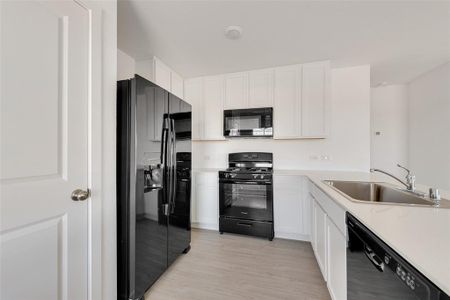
<point>337,262</point>
<point>193,89</point>
<point>313,224</point>
<point>288,207</point>
<point>213,107</point>
<point>287,102</point>
<point>205,200</point>
<point>320,224</point>
<point>236,90</point>
<point>315,99</point>
<point>162,74</point>
<point>184,106</point>
<point>176,84</point>
<point>260,84</point>
<point>174,104</point>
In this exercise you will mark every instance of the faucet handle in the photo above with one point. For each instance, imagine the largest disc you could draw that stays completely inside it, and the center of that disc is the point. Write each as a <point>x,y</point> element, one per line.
<point>434,194</point>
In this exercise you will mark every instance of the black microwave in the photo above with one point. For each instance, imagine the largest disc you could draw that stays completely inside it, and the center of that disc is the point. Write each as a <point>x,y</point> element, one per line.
<point>252,122</point>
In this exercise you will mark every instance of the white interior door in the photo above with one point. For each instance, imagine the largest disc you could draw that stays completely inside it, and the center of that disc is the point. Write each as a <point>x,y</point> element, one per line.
<point>44,149</point>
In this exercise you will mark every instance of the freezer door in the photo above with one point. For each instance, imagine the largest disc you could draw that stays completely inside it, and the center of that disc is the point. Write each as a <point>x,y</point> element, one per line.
<point>142,186</point>
<point>151,185</point>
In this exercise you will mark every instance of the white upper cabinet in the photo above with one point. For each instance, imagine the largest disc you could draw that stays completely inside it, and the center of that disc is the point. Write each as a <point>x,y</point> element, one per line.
<point>193,89</point>
<point>176,82</point>
<point>299,95</point>
<point>236,90</point>
<point>162,74</point>
<point>206,94</point>
<point>287,102</point>
<point>174,104</point>
<point>315,100</point>
<point>260,86</point>
<point>302,101</point>
<point>213,94</point>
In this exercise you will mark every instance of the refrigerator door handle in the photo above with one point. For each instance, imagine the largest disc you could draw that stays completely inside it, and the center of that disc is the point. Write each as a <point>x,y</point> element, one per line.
<point>169,163</point>
<point>174,165</point>
<point>164,136</point>
<point>164,167</point>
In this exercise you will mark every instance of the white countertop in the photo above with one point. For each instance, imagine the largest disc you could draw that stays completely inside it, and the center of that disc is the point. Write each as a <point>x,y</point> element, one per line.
<point>421,235</point>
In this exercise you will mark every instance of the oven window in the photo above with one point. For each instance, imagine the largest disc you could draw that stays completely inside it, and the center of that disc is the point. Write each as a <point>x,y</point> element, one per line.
<point>236,123</point>
<point>245,195</point>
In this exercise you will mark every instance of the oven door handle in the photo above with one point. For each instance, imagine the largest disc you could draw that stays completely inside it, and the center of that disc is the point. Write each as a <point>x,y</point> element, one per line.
<point>247,182</point>
<point>374,259</point>
<point>244,224</point>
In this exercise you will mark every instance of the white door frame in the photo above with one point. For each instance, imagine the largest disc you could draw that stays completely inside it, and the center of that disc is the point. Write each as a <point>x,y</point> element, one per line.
<point>94,152</point>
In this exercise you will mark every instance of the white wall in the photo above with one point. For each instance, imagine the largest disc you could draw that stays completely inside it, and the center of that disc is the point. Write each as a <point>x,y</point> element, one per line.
<point>389,117</point>
<point>348,146</point>
<point>429,135</point>
<point>126,66</point>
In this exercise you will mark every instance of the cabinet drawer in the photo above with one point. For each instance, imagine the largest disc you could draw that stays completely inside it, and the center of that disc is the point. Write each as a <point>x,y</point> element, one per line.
<point>255,228</point>
<point>335,212</point>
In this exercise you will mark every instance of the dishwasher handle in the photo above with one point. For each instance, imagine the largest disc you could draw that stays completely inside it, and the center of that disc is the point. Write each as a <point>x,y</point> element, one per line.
<point>374,259</point>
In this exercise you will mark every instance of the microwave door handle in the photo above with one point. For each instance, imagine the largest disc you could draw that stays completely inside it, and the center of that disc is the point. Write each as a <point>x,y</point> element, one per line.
<point>374,259</point>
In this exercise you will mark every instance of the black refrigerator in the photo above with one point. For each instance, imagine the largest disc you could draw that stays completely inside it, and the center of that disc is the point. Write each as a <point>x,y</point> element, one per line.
<point>153,183</point>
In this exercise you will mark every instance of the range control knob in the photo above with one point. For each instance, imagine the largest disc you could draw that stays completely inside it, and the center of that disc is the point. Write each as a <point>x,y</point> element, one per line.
<point>261,176</point>
<point>387,259</point>
<point>412,284</point>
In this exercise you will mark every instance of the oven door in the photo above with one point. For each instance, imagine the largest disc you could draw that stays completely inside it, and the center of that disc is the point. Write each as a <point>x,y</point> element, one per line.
<point>246,200</point>
<point>248,122</point>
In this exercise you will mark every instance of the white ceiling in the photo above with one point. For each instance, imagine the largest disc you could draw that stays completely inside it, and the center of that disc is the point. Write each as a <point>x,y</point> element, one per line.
<point>399,39</point>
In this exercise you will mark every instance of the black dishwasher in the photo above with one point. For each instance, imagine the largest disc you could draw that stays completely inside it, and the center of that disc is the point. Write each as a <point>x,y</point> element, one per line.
<point>376,272</point>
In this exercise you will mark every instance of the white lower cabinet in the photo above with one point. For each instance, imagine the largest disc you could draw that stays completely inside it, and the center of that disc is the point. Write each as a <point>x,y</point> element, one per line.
<point>291,209</point>
<point>320,223</point>
<point>337,262</point>
<point>205,200</point>
<point>329,241</point>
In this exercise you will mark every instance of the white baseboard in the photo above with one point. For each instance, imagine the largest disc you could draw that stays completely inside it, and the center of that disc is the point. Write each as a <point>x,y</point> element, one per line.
<point>292,236</point>
<point>278,234</point>
<point>202,225</point>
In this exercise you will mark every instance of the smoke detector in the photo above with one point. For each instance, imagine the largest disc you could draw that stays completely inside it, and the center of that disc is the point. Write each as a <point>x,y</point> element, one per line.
<point>233,32</point>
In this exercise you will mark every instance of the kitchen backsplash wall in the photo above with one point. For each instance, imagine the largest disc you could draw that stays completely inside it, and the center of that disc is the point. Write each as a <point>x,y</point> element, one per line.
<point>347,148</point>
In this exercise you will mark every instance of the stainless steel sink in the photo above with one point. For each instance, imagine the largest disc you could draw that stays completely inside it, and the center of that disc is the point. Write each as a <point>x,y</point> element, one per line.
<point>381,193</point>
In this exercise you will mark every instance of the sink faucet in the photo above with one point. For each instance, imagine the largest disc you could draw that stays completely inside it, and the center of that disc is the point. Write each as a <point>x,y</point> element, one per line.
<point>410,182</point>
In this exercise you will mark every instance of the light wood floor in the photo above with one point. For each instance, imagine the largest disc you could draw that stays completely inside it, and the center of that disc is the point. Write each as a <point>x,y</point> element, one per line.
<point>239,267</point>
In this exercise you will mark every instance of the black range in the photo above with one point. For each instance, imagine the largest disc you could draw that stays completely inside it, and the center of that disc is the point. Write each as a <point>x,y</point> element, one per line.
<point>246,195</point>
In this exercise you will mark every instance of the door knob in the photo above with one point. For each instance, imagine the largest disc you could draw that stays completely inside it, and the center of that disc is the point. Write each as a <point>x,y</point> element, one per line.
<point>80,195</point>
